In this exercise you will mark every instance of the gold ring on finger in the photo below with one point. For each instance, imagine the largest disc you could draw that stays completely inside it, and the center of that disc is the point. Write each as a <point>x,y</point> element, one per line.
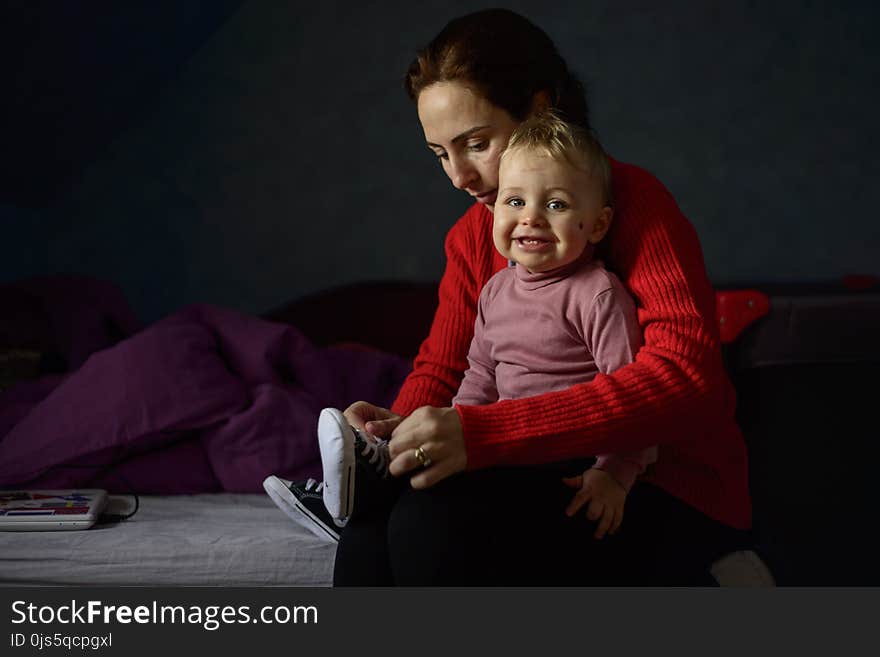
<point>422,458</point>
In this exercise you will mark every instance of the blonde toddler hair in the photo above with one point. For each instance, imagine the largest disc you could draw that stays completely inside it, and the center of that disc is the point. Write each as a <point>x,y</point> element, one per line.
<point>548,134</point>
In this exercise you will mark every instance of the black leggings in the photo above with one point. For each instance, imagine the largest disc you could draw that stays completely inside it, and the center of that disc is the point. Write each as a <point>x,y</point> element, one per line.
<point>507,527</point>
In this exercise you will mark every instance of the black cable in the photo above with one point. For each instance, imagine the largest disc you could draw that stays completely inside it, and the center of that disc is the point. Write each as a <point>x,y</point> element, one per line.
<point>110,518</point>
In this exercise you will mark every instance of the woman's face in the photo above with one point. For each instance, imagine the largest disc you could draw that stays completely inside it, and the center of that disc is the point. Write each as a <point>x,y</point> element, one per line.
<point>468,134</point>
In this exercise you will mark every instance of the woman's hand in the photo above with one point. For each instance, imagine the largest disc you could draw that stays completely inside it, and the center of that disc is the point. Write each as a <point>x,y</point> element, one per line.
<point>437,431</point>
<point>374,420</point>
<point>606,498</point>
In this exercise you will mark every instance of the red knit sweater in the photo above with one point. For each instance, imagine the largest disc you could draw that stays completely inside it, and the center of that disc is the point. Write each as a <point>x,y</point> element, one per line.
<point>676,394</point>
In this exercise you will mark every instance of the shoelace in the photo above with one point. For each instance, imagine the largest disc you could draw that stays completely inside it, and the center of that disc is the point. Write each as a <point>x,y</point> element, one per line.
<point>314,485</point>
<point>376,452</point>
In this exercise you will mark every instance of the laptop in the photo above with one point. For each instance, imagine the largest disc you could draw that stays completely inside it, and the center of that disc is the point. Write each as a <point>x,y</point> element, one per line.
<point>50,510</point>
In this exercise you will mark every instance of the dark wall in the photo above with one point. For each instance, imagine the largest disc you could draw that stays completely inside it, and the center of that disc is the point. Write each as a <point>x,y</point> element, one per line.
<point>247,153</point>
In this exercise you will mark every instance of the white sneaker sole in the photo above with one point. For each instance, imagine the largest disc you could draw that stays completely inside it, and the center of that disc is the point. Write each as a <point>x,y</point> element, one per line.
<point>336,442</point>
<point>279,490</point>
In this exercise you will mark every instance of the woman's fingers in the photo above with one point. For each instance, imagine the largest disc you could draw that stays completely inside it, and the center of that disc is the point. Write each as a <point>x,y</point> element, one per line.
<point>431,475</point>
<point>371,418</point>
<point>437,432</point>
<point>361,412</point>
<point>408,460</point>
<point>427,424</point>
<point>416,429</point>
<point>382,428</point>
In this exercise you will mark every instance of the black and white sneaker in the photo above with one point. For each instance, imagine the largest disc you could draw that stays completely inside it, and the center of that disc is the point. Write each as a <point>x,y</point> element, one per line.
<point>343,448</point>
<point>303,502</point>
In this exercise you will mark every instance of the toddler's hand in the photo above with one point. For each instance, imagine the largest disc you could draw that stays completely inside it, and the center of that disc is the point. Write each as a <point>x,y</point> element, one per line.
<point>606,498</point>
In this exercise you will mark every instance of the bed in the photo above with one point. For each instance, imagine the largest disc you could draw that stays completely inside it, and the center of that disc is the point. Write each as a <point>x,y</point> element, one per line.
<point>210,539</point>
<point>198,461</point>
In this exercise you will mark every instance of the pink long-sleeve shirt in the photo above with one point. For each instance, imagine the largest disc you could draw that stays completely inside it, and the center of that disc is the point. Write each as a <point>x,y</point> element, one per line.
<point>541,332</point>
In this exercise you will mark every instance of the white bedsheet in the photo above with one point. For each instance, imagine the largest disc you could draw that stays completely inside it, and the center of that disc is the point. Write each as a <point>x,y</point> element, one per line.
<point>188,540</point>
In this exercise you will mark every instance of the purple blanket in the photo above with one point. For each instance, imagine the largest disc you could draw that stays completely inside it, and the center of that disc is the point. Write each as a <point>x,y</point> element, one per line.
<point>204,400</point>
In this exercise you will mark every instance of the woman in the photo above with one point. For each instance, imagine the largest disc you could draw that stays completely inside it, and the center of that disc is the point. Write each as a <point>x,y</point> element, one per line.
<point>500,519</point>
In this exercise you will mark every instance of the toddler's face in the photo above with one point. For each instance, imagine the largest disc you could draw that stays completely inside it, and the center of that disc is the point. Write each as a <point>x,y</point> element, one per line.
<point>547,211</point>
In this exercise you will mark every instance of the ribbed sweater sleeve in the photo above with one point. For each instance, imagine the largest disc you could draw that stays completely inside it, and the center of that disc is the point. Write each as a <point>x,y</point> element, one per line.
<point>442,359</point>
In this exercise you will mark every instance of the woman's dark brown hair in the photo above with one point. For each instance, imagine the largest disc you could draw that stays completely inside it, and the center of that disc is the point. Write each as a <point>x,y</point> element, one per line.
<point>505,58</point>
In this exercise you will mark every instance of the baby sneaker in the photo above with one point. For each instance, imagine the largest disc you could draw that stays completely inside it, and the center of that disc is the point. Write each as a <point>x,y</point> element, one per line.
<point>303,503</point>
<point>345,450</point>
